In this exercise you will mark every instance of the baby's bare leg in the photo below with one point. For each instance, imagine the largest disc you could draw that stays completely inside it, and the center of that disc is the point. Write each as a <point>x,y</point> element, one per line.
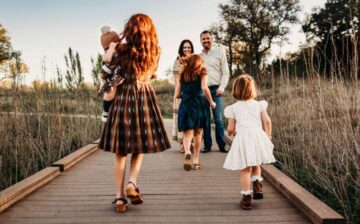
<point>110,95</point>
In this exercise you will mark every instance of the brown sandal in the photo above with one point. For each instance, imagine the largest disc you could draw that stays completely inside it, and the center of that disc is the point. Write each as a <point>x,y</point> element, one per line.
<point>121,207</point>
<point>134,194</point>
<point>187,162</point>
<point>196,166</point>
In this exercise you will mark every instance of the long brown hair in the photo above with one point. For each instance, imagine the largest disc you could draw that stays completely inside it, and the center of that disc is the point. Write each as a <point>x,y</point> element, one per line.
<point>141,52</point>
<point>193,67</point>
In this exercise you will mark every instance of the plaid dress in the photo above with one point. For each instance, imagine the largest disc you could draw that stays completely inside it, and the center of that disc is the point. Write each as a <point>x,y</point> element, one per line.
<point>134,124</point>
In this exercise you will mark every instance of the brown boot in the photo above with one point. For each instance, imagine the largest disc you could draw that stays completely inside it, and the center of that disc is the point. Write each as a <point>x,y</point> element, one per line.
<point>257,189</point>
<point>245,202</point>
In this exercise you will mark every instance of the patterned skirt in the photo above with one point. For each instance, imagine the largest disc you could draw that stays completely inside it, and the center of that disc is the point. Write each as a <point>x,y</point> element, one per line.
<point>134,123</point>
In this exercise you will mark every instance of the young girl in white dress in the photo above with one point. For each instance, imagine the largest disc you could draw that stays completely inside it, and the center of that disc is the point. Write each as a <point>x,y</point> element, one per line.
<point>251,126</point>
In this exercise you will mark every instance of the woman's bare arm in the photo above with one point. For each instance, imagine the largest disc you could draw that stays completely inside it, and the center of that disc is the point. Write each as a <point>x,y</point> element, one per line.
<point>178,90</point>
<point>207,92</point>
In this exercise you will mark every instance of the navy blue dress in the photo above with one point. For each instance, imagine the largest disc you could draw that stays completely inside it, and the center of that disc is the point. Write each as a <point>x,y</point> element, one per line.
<point>194,109</point>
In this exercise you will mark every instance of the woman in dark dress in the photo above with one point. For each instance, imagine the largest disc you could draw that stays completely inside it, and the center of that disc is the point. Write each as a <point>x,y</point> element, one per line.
<point>185,49</point>
<point>134,123</point>
<point>193,111</point>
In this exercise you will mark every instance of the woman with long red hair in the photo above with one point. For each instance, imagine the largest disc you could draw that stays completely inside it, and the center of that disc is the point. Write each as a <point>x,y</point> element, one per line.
<point>134,125</point>
<point>193,110</point>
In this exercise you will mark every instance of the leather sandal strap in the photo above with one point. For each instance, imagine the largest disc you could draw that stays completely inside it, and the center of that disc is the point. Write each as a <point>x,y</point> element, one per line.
<point>136,188</point>
<point>196,166</point>
<point>120,199</point>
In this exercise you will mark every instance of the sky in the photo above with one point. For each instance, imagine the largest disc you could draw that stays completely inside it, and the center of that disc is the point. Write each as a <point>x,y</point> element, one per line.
<point>43,30</point>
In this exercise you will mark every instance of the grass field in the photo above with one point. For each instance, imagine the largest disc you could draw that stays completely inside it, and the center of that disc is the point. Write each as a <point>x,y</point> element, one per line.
<point>316,132</point>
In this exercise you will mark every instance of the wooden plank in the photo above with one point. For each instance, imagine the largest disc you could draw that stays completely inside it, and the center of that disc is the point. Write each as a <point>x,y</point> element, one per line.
<point>68,161</point>
<point>84,193</point>
<point>228,209</point>
<point>151,209</point>
<point>174,195</point>
<point>312,207</point>
<point>96,141</point>
<point>125,218</point>
<point>25,187</point>
<point>154,204</point>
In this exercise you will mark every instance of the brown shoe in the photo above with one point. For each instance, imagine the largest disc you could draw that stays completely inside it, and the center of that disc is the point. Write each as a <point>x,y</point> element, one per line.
<point>133,193</point>
<point>196,166</point>
<point>245,202</point>
<point>121,207</point>
<point>187,162</point>
<point>257,189</point>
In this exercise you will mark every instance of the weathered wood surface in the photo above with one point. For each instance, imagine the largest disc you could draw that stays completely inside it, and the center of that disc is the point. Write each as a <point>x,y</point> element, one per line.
<point>314,209</point>
<point>68,161</point>
<point>83,194</point>
<point>15,193</point>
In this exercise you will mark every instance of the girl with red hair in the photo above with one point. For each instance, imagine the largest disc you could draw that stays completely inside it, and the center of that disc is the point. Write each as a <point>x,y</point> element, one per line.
<point>193,110</point>
<point>134,125</point>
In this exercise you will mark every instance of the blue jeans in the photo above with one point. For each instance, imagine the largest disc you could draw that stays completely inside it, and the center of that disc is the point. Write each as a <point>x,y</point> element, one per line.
<point>219,122</point>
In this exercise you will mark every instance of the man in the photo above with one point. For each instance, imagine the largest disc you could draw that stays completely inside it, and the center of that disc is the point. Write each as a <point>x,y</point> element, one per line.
<point>218,78</point>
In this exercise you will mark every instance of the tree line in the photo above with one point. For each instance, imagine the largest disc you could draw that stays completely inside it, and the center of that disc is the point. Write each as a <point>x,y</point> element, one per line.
<point>13,67</point>
<point>249,28</point>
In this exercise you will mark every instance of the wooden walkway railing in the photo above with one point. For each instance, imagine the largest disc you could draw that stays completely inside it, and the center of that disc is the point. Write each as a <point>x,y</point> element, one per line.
<point>83,194</point>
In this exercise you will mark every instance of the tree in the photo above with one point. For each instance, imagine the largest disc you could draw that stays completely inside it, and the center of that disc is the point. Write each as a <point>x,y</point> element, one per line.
<point>225,35</point>
<point>11,64</point>
<point>169,72</point>
<point>17,67</point>
<point>5,45</point>
<point>237,51</point>
<point>335,31</point>
<point>96,69</point>
<point>258,23</point>
<point>74,77</point>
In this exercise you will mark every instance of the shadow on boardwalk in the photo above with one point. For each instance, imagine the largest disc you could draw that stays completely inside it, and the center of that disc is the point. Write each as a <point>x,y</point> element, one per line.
<point>211,195</point>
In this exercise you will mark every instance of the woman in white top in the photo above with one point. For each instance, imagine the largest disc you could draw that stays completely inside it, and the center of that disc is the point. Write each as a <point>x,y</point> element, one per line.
<point>251,146</point>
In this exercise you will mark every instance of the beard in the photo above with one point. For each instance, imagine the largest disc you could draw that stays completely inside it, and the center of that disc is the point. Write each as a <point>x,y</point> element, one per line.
<point>207,45</point>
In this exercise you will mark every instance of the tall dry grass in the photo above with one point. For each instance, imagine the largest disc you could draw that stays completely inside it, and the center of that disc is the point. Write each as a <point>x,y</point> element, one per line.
<point>316,132</point>
<point>39,127</point>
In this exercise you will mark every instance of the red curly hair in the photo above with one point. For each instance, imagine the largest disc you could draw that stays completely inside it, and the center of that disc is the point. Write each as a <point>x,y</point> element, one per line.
<point>193,68</point>
<point>141,52</point>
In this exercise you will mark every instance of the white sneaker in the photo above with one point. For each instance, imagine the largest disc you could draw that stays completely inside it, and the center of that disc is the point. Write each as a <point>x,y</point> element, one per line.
<point>104,116</point>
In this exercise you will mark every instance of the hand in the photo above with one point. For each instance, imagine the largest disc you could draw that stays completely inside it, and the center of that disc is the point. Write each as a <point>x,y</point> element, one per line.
<point>181,60</point>
<point>113,45</point>
<point>219,92</point>
<point>213,105</point>
<point>154,76</point>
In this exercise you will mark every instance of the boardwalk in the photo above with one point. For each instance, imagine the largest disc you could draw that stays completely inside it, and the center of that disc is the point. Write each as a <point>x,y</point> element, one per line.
<point>211,195</point>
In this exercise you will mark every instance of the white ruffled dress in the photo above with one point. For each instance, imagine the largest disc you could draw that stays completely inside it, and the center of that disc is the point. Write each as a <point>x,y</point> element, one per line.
<point>251,146</point>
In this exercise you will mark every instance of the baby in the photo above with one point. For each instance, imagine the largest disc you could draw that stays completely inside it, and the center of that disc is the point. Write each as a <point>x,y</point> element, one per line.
<point>109,73</point>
